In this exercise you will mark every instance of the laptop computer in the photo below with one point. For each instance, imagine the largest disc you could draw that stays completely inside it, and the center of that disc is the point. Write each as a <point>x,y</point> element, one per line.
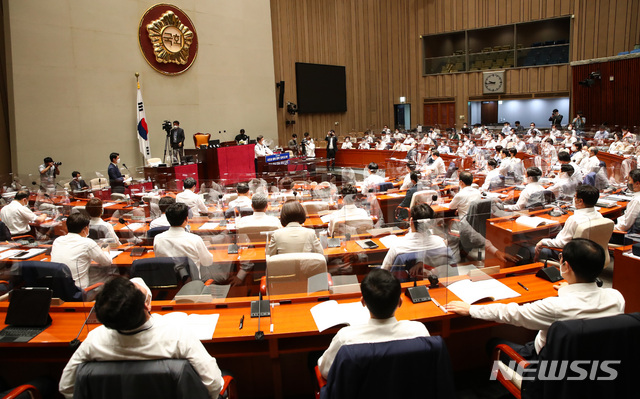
<point>27,315</point>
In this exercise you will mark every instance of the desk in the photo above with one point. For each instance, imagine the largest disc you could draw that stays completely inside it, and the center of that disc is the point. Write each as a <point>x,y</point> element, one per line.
<point>264,368</point>
<point>170,177</point>
<point>361,158</point>
<point>626,276</point>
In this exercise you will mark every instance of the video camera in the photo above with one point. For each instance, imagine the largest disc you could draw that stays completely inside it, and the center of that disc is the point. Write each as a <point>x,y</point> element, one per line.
<point>167,126</point>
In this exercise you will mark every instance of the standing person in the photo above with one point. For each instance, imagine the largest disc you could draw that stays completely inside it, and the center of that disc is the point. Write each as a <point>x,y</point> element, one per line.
<point>332,149</point>
<point>293,145</point>
<point>579,122</point>
<point>177,141</point>
<point>555,118</point>
<point>309,146</point>
<point>116,180</point>
<point>48,172</point>
<point>260,150</point>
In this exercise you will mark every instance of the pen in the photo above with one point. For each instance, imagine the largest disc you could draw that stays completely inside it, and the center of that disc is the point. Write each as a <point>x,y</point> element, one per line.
<point>241,323</point>
<point>522,285</point>
<point>438,305</point>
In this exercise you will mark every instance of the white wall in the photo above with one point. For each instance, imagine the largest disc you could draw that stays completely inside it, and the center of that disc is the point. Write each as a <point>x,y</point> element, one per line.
<point>73,90</point>
<point>537,110</point>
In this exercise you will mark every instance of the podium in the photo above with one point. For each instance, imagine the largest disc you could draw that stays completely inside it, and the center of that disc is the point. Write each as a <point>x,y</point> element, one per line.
<point>225,165</point>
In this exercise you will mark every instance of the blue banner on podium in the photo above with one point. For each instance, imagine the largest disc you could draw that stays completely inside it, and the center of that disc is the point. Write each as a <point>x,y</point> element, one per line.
<point>276,157</point>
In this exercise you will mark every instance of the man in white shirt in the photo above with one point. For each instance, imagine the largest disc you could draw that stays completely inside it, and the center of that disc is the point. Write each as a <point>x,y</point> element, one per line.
<point>533,175</point>
<point>493,176</point>
<point>372,181</point>
<point>129,332</point>
<point>349,211</point>
<point>17,214</point>
<point>585,200</point>
<point>364,145</point>
<point>533,131</point>
<point>48,172</point>
<point>444,148</point>
<point>381,295</point>
<point>347,145</point>
<point>506,129</point>
<point>628,218</point>
<point>261,150</point>
<point>259,203</point>
<point>419,240</point>
<point>437,167</point>
<point>467,194</point>
<point>162,221</point>
<point>581,262</point>
<point>564,186</point>
<point>193,200</point>
<point>177,242</point>
<point>406,183</point>
<point>591,164</point>
<point>244,197</point>
<point>77,251</point>
<point>577,154</point>
<point>520,145</point>
<point>565,159</point>
<point>95,210</point>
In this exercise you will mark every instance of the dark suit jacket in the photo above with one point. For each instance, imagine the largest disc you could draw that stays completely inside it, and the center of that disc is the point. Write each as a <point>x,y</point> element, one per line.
<point>333,139</point>
<point>77,185</point>
<point>177,137</point>
<point>115,177</point>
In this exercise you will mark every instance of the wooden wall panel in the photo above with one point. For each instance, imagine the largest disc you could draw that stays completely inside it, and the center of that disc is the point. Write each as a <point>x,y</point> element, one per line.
<point>379,43</point>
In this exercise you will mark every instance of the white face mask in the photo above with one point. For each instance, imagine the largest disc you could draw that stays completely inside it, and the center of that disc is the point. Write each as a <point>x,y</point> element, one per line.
<point>118,160</point>
<point>569,128</point>
<point>80,178</point>
<point>573,203</point>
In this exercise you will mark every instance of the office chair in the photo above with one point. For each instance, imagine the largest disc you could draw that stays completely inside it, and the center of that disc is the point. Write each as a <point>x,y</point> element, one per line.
<point>158,379</point>
<point>613,338</point>
<point>164,276</point>
<point>201,139</point>
<point>254,233</point>
<point>24,391</point>
<point>598,230</point>
<point>313,207</point>
<point>55,276</point>
<point>97,232</point>
<point>352,226</point>
<point>393,369</point>
<point>289,273</point>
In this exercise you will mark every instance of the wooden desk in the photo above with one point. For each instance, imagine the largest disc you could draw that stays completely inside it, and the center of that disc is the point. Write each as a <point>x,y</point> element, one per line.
<point>361,158</point>
<point>626,277</point>
<point>170,177</point>
<point>274,366</point>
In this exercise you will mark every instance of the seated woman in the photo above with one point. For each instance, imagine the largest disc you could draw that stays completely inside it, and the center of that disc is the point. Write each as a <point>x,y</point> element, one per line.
<point>293,237</point>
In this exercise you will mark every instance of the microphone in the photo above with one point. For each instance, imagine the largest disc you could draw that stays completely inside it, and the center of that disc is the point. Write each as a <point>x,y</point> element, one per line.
<point>75,343</point>
<point>136,240</point>
<point>257,310</point>
<point>417,293</point>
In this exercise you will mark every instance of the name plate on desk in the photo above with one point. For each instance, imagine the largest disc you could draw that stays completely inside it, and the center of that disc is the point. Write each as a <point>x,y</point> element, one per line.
<point>277,157</point>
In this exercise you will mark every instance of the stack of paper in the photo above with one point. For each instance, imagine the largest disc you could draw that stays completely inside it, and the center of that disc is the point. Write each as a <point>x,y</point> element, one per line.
<point>330,313</point>
<point>201,325</point>
<point>474,291</point>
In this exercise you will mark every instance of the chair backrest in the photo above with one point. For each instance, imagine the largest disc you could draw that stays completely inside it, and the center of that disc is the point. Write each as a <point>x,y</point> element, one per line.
<point>540,199</point>
<point>5,233</point>
<point>613,339</point>
<point>288,273</point>
<point>312,207</point>
<point>159,379</point>
<point>53,275</point>
<point>393,369</point>
<point>598,230</point>
<point>97,232</point>
<point>352,226</point>
<point>154,161</point>
<point>201,139</point>
<point>254,233</point>
<point>152,233</point>
<point>98,183</point>
<point>164,275</point>
<point>117,196</point>
<point>385,186</point>
<point>423,197</point>
<point>479,212</point>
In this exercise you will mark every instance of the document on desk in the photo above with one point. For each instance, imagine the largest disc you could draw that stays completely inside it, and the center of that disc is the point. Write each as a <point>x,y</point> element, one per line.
<point>5,247</point>
<point>19,254</point>
<point>134,226</point>
<point>534,221</point>
<point>618,197</point>
<point>325,218</point>
<point>113,254</point>
<point>390,240</point>
<point>475,291</point>
<point>395,195</point>
<point>107,204</point>
<point>331,313</point>
<point>201,325</point>
<point>208,226</point>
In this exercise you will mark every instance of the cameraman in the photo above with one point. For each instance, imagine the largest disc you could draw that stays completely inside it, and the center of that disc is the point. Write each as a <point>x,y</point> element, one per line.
<point>177,141</point>
<point>48,172</point>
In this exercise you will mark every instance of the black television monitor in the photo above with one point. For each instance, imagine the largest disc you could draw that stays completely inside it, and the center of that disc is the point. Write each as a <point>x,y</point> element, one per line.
<point>321,88</point>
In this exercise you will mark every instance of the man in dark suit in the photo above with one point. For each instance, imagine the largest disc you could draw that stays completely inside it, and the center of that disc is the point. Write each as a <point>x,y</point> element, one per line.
<point>116,180</point>
<point>332,148</point>
<point>77,183</point>
<point>406,202</point>
<point>177,141</point>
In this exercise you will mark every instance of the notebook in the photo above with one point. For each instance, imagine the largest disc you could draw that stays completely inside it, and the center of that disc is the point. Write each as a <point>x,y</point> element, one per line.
<point>27,315</point>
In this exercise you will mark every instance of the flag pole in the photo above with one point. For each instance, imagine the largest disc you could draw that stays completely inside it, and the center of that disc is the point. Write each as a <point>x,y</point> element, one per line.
<point>144,161</point>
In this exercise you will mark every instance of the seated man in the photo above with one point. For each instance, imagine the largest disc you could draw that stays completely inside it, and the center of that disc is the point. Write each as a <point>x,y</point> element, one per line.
<point>193,200</point>
<point>437,168</point>
<point>372,181</point>
<point>177,242</point>
<point>244,197</point>
<point>492,180</point>
<point>466,195</point>
<point>77,183</point>
<point>533,175</point>
<point>129,332</point>
<point>381,295</point>
<point>95,211</point>
<point>628,218</point>
<point>565,159</point>
<point>17,215</point>
<point>420,239</point>
<point>162,221</point>
<point>406,201</point>
<point>259,203</point>
<point>581,262</point>
<point>564,186</point>
<point>585,200</point>
<point>349,211</point>
<point>406,183</point>
<point>77,251</point>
